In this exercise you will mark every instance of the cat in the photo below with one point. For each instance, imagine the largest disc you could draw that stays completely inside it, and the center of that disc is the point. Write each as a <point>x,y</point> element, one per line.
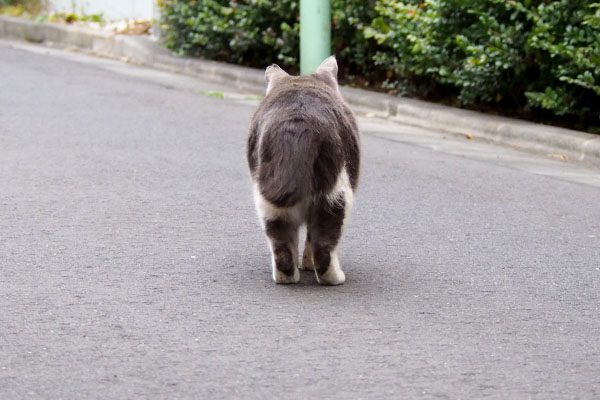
<point>303,153</point>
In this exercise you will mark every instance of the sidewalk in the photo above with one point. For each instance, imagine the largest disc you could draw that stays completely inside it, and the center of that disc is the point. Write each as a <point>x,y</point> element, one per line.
<point>565,144</point>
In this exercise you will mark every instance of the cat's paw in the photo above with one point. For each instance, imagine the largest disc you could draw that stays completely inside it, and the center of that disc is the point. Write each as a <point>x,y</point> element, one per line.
<point>281,278</point>
<point>333,277</point>
<point>307,264</point>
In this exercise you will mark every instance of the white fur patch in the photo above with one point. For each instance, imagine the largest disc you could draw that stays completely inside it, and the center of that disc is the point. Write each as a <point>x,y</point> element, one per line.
<point>342,186</point>
<point>269,88</point>
<point>280,277</point>
<point>334,275</point>
<point>267,210</point>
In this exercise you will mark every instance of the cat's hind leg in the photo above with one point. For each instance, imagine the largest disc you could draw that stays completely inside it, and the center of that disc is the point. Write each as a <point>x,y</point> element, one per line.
<point>325,226</point>
<point>283,241</point>
<point>307,257</point>
<point>281,226</point>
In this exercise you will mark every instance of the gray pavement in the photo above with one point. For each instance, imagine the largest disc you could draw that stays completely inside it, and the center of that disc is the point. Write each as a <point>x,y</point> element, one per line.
<point>132,264</point>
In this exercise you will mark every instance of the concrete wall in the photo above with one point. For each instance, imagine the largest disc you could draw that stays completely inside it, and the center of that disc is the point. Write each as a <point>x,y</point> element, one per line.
<point>110,9</point>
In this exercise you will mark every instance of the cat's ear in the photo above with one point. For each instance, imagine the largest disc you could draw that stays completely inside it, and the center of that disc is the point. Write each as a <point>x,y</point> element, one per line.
<point>327,71</point>
<point>273,74</point>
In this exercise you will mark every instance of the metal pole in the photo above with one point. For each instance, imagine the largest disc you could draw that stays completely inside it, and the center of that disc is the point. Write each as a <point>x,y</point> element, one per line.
<point>315,34</point>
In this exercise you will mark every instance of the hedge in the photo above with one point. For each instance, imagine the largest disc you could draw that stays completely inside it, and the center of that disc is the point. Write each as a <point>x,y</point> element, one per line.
<point>526,57</point>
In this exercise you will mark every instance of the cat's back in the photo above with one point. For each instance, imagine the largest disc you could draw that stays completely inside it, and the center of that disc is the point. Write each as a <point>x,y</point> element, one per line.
<point>305,100</point>
<point>302,137</point>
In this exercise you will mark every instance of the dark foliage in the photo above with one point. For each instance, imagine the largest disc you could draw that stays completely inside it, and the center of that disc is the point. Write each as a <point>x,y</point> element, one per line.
<point>518,56</point>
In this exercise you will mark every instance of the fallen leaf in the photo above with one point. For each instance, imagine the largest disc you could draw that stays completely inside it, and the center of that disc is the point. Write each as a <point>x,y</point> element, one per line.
<point>562,157</point>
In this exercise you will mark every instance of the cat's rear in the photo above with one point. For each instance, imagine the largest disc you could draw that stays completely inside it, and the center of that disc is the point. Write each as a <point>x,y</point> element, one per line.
<point>303,154</point>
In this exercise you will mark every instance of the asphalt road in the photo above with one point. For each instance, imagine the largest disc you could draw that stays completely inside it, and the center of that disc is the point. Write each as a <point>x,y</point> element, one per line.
<point>133,266</point>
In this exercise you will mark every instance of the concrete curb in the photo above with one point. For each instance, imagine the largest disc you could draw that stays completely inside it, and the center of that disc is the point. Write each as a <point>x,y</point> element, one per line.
<point>546,140</point>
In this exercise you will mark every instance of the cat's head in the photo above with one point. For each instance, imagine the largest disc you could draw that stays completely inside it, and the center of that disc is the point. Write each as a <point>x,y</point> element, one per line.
<point>327,73</point>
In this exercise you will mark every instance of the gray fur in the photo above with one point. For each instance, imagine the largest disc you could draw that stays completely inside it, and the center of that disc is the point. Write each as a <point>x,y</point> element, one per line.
<point>306,134</point>
<point>302,138</point>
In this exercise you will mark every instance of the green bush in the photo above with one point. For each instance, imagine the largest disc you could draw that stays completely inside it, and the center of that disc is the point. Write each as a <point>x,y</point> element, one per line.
<point>260,32</point>
<point>514,55</point>
<point>354,51</point>
<point>21,7</point>
<point>249,32</point>
<point>565,43</point>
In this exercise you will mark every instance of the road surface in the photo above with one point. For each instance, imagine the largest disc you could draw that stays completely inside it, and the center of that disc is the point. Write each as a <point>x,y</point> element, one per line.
<point>133,265</point>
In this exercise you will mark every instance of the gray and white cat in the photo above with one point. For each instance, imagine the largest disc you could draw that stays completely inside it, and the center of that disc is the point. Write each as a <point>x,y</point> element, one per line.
<point>303,154</point>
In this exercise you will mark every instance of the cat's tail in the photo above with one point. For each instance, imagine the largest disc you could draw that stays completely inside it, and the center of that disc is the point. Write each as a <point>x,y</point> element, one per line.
<point>297,162</point>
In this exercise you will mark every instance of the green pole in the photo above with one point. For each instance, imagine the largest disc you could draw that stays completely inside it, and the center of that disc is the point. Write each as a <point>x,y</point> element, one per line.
<point>315,34</point>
